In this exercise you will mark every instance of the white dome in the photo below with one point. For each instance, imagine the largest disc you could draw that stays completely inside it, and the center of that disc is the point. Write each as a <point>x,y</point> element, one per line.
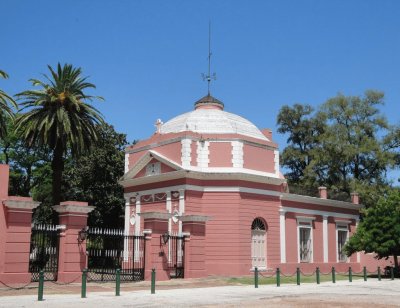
<point>212,121</point>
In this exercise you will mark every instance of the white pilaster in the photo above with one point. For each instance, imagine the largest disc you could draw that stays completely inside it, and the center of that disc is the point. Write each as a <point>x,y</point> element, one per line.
<point>126,227</point>
<point>276,161</point>
<point>126,162</point>
<point>358,253</point>
<point>186,152</point>
<point>203,154</point>
<point>181,207</point>
<point>137,224</point>
<point>169,210</point>
<point>237,154</point>
<point>325,237</point>
<point>282,229</point>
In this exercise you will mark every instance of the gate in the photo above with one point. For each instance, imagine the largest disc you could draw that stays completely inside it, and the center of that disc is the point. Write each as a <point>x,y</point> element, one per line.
<point>43,255</point>
<point>109,249</point>
<point>176,255</point>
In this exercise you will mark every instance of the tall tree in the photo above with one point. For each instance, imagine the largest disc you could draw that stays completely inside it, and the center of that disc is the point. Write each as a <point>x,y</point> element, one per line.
<point>60,118</point>
<point>379,230</point>
<point>6,105</point>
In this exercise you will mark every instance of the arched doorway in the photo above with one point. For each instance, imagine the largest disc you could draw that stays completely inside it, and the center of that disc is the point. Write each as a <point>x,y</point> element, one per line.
<point>258,243</point>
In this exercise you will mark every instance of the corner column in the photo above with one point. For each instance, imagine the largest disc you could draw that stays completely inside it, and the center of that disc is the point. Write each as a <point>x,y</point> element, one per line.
<point>16,228</point>
<point>325,237</point>
<point>282,229</point>
<point>72,250</point>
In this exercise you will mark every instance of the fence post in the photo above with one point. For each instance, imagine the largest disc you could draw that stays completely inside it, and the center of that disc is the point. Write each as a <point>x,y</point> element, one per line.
<point>117,282</point>
<point>379,273</point>
<point>318,278</point>
<point>41,286</point>
<point>333,274</point>
<point>278,277</point>
<point>350,275</point>
<point>153,281</point>
<point>298,276</point>
<point>83,287</point>
<point>391,273</point>
<point>365,273</point>
<point>256,277</point>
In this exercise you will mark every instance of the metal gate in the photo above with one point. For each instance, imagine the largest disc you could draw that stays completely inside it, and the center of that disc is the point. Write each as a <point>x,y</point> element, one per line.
<point>111,249</point>
<point>176,256</point>
<point>43,255</point>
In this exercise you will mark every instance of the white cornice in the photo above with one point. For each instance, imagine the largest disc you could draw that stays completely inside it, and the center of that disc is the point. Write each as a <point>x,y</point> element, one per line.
<point>319,201</point>
<point>21,204</point>
<point>319,212</point>
<point>195,218</point>
<point>69,208</point>
<point>156,215</point>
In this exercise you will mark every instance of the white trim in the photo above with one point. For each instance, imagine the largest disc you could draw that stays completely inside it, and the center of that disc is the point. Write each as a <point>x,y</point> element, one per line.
<point>203,153</point>
<point>181,208</point>
<point>304,219</point>
<point>21,204</point>
<point>126,227</point>
<point>186,152</point>
<point>282,231</point>
<point>194,218</point>
<point>320,213</point>
<point>237,154</point>
<point>338,228</point>
<point>126,162</point>
<point>156,215</point>
<point>319,201</point>
<point>342,222</point>
<point>358,253</point>
<point>68,208</point>
<point>138,209</point>
<point>309,226</point>
<point>276,162</point>
<point>325,237</point>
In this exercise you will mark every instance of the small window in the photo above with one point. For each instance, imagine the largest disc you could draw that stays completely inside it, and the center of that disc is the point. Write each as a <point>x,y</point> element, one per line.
<point>305,244</point>
<point>342,235</point>
<point>258,243</point>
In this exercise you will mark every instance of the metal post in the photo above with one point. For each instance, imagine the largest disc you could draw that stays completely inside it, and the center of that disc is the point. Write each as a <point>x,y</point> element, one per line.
<point>365,273</point>
<point>41,286</point>
<point>350,275</point>
<point>379,273</point>
<point>391,273</point>
<point>83,287</point>
<point>153,281</point>
<point>333,274</point>
<point>256,277</point>
<point>318,278</point>
<point>117,282</point>
<point>298,276</point>
<point>278,277</point>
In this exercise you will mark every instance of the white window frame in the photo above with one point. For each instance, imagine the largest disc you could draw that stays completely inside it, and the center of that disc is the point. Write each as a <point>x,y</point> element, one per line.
<point>307,223</point>
<point>264,251</point>
<point>341,225</point>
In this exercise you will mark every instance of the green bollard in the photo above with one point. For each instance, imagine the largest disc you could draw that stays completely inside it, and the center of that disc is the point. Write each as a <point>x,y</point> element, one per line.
<point>41,286</point>
<point>117,282</point>
<point>298,276</point>
<point>153,281</point>
<point>350,275</point>
<point>365,273</point>
<point>256,277</point>
<point>391,273</point>
<point>83,287</point>
<point>333,275</point>
<point>278,277</point>
<point>379,273</point>
<point>318,278</point>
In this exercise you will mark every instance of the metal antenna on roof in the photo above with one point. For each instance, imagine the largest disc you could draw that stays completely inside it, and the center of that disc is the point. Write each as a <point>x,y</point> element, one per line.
<point>209,77</point>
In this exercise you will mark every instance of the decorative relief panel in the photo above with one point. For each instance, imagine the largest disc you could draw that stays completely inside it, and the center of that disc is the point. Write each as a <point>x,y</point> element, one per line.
<point>153,169</point>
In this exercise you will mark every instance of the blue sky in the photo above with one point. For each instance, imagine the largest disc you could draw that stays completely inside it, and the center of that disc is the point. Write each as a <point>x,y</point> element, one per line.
<point>146,57</point>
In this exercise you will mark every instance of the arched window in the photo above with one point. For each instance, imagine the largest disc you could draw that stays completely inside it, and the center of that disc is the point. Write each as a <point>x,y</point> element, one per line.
<point>258,243</point>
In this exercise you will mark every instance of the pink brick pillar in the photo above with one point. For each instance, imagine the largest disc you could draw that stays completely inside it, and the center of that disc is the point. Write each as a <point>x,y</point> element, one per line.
<point>156,252</point>
<point>15,240</point>
<point>195,265</point>
<point>72,252</point>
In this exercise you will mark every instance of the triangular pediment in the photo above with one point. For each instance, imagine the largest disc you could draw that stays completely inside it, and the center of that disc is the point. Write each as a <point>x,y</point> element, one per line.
<point>151,163</point>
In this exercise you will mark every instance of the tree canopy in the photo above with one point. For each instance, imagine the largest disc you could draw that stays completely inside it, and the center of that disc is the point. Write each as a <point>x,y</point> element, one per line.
<point>6,105</point>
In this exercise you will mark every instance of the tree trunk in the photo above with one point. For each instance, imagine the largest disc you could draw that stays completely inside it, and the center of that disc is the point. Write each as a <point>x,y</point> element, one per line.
<point>57,165</point>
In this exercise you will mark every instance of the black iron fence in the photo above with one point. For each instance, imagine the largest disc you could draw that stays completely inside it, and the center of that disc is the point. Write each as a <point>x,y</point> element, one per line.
<point>112,249</point>
<point>43,255</point>
<point>176,255</point>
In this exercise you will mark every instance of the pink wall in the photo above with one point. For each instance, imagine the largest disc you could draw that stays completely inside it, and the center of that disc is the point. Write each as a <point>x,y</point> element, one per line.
<point>257,158</point>
<point>220,154</point>
<point>291,238</point>
<point>172,151</point>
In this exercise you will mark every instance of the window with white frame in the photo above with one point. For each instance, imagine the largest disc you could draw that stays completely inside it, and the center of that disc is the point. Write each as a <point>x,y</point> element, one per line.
<point>305,239</point>
<point>342,234</point>
<point>258,243</point>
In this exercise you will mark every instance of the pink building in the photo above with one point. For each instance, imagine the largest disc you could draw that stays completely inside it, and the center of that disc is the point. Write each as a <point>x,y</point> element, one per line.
<point>219,172</point>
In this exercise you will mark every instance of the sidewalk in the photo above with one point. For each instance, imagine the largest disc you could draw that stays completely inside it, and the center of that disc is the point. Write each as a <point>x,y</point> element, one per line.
<point>357,294</point>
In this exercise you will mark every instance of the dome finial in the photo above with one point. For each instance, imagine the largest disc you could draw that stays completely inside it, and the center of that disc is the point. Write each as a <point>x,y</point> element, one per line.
<point>209,77</point>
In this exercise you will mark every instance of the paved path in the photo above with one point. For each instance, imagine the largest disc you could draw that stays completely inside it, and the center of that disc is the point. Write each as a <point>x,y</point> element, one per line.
<point>372,293</point>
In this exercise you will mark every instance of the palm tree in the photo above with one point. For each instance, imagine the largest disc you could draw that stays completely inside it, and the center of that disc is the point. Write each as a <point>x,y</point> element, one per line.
<point>59,118</point>
<point>5,109</point>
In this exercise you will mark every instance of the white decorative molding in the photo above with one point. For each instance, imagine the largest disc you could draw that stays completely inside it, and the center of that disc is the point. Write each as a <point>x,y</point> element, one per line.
<point>153,169</point>
<point>195,218</point>
<point>126,162</point>
<point>306,219</point>
<point>342,222</point>
<point>325,237</point>
<point>138,209</point>
<point>147,231</point>
<point>319,201</point>
<point>282,231</point>
<point>156,215</point>
<point>181,207</point>
<point>276,162</point>
<point>316,212</point>
<point>70,208</point>
<point>186,152</point>
<point>21,204</point>
<point>237,154</point>
<point>203,153</point>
